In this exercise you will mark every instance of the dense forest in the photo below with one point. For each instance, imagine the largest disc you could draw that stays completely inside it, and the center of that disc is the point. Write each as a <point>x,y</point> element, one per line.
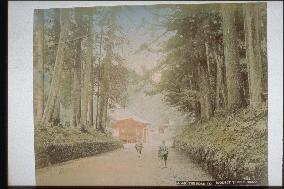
<point>212,77</point>
<point>216,61</point>
<point>76,63</point>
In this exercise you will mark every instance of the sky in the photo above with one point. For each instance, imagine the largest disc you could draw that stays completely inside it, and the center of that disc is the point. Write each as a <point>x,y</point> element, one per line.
<point>139,25</point>
<point>136,22</point>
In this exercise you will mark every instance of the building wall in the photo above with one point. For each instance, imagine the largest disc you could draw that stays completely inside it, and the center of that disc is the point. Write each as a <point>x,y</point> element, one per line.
<point>115,132</point>
<point>130,130</point>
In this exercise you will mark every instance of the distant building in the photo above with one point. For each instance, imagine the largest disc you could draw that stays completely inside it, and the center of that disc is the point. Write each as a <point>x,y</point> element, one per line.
<point>162,128</point>
<point>130,130</point>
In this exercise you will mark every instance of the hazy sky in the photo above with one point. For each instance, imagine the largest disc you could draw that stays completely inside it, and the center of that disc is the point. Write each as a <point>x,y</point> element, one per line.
<point>137,23</point>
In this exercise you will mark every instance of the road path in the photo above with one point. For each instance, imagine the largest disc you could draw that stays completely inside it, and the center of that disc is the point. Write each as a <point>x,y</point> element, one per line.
<point>123,167</point>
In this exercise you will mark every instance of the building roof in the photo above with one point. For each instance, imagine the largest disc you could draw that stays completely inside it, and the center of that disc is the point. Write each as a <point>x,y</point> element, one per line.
<point>122,113</point>
<point>136,119</point>
<point>129,122</point>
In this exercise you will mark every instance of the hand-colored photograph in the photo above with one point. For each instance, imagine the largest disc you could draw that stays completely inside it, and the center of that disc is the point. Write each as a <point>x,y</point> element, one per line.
<point>151,95</point>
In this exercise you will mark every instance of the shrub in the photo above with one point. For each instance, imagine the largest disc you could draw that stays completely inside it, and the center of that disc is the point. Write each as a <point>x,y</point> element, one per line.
<point>56,153</point>
<point>56,144</point>
<point>229,147</point>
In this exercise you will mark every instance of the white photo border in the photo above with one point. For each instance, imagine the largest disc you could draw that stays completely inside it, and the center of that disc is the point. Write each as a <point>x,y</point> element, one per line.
<point>21,161</point>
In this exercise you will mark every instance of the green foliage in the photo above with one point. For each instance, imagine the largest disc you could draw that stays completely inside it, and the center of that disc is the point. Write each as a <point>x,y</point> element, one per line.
<point>119,83</point>
<point>56,144</point>
<point>56,153</point>
<point>193,28</point>
<point>62,135</point>
<point>240,137</point>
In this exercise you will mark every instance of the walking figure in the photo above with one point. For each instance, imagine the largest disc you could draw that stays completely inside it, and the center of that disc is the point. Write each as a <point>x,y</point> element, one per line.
<point>163,153</point>
<point>138,147</point>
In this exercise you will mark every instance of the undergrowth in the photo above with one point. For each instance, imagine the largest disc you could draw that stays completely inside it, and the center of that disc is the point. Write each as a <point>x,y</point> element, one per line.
<point>237,142</point>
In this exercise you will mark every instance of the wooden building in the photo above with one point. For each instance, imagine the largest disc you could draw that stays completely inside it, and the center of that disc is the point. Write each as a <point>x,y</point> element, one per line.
<point>162,128</point>
<point>130,130</point>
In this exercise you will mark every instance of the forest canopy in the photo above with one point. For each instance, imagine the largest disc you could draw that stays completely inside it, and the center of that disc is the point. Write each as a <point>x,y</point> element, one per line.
<point>212,58</point>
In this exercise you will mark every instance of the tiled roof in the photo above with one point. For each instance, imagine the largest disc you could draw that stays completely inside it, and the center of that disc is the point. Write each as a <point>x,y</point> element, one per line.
<point>129,122</point>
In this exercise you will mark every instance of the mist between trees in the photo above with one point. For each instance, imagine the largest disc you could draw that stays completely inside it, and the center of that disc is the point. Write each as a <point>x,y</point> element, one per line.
<point>214,61</point>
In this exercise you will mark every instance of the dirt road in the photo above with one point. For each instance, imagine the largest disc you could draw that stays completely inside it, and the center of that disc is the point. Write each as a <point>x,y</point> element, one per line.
<point>123,167</point>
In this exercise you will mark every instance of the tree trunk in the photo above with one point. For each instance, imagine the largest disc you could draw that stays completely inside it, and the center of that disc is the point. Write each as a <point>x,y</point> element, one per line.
<point>211,65</point>
<point>87,74</point>
<point>97,107</point>
<point>253,54</point>
<point>91,111</point>
<point>204,97</point>
<point>221,94</point>
<point>197,110</point>
<point>100,114</point>
<point>105,113</point>
<point>76,94</point>
<point>99,80</point>
<point>105,88</point>
<point>39,67</point>
<point>102,99</point>
<point>231,54</point>
<point>195,79</point>
<point>56,112</point>
<point>263,35</point>
<point>91,98</point>
<point>54,88</point>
